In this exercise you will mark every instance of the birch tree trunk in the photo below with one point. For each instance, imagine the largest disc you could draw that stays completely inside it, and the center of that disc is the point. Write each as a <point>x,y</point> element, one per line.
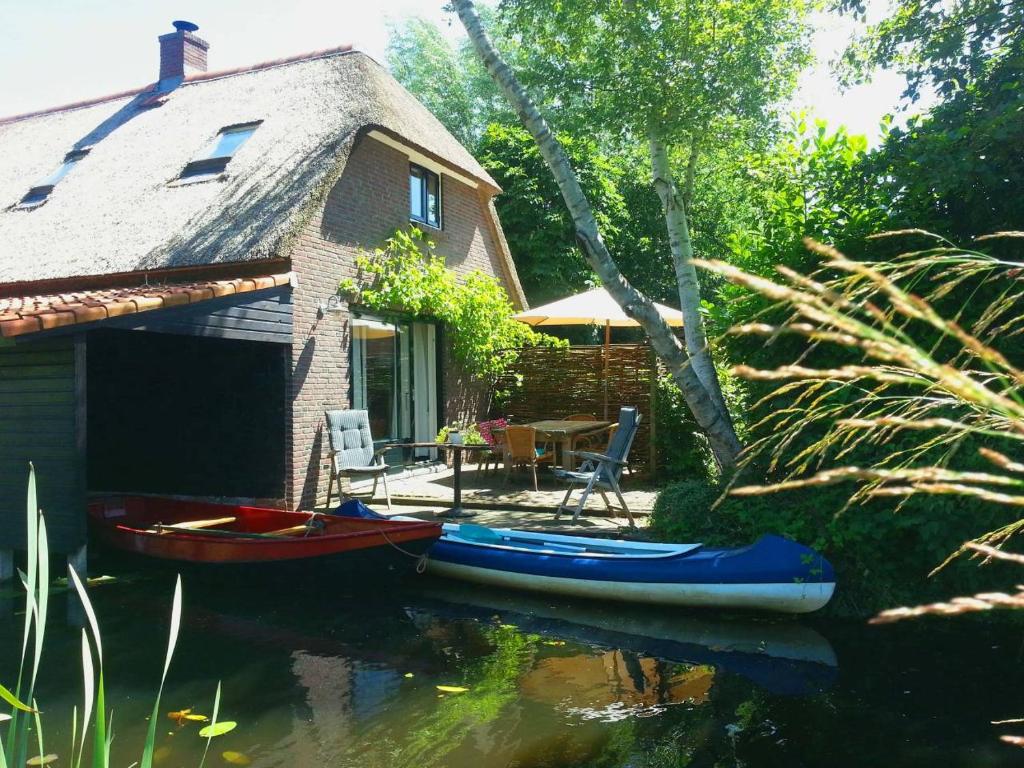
<point>675,207</point>
<point>717,426</point>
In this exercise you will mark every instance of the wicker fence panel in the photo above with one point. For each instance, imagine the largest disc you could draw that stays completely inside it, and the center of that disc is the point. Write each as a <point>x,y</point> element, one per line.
<point>553,383</point>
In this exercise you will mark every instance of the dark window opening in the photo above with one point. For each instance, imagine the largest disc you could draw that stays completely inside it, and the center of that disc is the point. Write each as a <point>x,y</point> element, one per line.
<point>197,416</point>
<point>424,196</point>
<point>214,158</point>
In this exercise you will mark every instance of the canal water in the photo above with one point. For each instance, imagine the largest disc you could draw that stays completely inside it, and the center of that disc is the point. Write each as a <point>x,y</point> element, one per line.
<point>430,673</point>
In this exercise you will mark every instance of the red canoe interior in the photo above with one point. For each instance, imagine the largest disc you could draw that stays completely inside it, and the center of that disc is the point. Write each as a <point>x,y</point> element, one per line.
<point>152,524</point>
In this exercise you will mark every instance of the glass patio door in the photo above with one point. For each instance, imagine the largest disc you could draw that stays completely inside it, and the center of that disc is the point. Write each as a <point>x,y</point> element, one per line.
<point>394,378</point>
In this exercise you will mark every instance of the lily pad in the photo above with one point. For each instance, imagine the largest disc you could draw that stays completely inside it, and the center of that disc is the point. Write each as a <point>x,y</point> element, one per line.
<point>41,760</point>
<point>218,729</point>
<point>452,689</point>
<point>235,758</point>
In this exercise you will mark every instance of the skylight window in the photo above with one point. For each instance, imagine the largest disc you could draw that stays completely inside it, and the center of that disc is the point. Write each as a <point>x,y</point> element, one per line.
<point>215,157</point>
<point>40,193</point>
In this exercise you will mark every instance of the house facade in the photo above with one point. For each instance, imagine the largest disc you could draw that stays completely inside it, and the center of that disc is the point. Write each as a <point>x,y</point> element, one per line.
<point>169,267</point>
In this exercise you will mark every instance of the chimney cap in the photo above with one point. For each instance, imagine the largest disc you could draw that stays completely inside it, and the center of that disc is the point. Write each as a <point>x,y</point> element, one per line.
<point>184,26</point>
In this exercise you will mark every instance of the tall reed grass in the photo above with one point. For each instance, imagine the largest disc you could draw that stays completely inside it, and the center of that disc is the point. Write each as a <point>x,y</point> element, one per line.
<point>91,726</point>
<point>916,386</point>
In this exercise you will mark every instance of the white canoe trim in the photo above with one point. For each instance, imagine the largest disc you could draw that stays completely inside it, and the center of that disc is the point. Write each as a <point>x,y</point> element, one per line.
<point>572,546</point>
<point>786,598</point>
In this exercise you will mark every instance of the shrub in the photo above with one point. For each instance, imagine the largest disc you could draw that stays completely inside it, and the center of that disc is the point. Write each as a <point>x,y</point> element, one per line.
<point>881,555</point>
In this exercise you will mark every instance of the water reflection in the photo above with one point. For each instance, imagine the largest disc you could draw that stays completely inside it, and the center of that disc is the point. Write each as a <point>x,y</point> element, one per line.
<point>321,677</point>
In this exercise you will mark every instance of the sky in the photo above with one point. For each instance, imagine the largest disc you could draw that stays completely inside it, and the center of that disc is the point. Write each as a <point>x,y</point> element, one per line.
<point>60,51</point>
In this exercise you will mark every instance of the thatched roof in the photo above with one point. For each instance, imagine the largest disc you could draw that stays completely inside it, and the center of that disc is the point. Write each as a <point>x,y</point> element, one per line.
<point>116,212</point>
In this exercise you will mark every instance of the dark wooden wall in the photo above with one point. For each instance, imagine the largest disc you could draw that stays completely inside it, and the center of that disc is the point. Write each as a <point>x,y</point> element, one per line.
<point>37,424</point>
<point>228,402</point>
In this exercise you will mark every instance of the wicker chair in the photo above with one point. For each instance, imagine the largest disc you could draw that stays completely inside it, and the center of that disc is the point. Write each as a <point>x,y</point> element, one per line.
<point>496,440</point>
<point>521,450</point>
<point>591,440</point>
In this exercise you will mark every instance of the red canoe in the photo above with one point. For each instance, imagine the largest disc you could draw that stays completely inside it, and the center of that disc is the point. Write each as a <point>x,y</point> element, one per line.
<point>200,532</point>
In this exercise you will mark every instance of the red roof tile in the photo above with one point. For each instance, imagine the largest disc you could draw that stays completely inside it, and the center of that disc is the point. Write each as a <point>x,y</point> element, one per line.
<point>20,315</point>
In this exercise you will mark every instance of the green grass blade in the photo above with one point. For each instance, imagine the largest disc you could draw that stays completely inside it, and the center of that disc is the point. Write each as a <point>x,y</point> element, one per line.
<point>213,723</point>
<point>90,614</point>
<point>14,701</point>
<point>43,550</point>
<point>17,728</point>
<point>32,541</point>
<point>172,640</point>
<point>89,684</point>
<point>74,735</point>
<point>39,730</point>
<point>110,739</point>
<point>99,744</point>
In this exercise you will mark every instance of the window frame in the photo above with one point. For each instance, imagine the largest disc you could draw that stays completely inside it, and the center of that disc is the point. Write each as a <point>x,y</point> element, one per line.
<point>209,166</point>
<point>39,194</point>
<point>425,197</point>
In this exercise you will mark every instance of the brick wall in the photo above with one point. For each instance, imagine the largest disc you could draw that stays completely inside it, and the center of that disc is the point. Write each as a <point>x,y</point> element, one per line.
<point>369,202</point>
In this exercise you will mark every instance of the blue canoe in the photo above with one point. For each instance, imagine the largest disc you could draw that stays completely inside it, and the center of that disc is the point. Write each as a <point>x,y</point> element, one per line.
<point>772,574</point>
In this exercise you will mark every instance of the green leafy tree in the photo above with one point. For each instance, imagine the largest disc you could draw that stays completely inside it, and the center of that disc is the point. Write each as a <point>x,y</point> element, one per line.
<point>708,414</point>
<point>448,78</point>
<point>957,170</point>
<point>947,44</point>
<point>538,226</point>
<point>679,76</point>
<point>423,60</point>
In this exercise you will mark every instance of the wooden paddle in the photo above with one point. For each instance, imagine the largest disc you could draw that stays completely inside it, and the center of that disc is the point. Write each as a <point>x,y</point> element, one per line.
<point>205,527</point>
<point>190,525</point>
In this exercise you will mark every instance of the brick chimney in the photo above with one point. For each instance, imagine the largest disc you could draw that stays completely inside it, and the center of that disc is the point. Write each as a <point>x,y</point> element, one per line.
<point>181,53</point>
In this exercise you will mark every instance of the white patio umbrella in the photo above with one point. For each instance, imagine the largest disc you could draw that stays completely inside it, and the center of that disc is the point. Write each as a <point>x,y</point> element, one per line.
<point>595,307</point>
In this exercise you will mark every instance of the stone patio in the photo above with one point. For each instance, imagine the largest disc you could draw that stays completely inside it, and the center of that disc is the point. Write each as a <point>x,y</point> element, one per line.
<point>426,491</point>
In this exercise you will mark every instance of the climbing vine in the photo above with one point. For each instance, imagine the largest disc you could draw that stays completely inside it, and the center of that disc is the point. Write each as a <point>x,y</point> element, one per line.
<point>407,275</point>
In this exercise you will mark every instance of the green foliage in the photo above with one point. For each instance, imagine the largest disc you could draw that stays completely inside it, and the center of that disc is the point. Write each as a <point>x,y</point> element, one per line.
<point>470,435</point>
<point>682,448</point>
<point>957,170</point>
<point>408,275</point>
<point>423,60</point>
<point>947,44</point>
<point>691,69</point>
<point>809,185</point>
<point>449,80</point>
<point>537,224</point>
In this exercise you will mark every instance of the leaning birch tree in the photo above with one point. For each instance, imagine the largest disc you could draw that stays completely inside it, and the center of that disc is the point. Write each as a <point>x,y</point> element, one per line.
<point>677,77</point>
<point>712,418</point>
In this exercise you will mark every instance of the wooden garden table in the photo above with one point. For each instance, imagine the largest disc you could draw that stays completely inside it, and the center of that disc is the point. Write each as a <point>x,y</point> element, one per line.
<point>565,433</point>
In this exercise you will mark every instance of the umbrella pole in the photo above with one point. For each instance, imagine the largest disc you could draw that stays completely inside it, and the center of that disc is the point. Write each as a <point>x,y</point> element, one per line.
<point>607,344</point>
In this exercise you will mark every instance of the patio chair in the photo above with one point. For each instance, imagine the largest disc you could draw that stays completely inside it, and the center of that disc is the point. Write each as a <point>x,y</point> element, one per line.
<point>595,440</point>
<point>521,450</point>
<point>496,441</point>
<point>601,471</point>
<point>352,452</point>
